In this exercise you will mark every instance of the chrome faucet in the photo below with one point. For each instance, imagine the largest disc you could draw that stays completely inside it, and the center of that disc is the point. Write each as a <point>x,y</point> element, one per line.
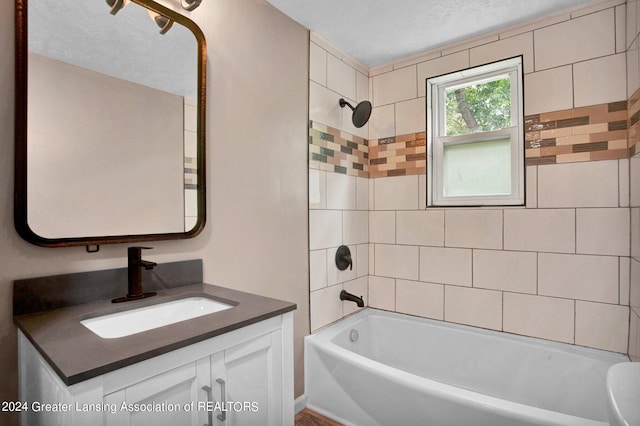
<point>135,265</point>
<point>345,295</point>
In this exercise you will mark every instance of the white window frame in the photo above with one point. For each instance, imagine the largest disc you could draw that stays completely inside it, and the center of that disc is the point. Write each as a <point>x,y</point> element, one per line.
<point>436,142</point>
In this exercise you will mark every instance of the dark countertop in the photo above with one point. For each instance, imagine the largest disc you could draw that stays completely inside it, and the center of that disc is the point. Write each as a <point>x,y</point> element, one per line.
<point>77,354</point>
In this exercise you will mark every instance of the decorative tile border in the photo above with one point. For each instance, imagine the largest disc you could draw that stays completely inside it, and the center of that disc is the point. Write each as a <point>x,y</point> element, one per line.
<point>335,151</point>
<point>597,132</point>
<point>190,173</point>
<point>398,156</point>
<point>634,123</point>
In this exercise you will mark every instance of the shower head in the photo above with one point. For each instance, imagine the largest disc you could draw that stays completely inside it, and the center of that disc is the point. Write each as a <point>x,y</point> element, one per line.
<point>361,112</point>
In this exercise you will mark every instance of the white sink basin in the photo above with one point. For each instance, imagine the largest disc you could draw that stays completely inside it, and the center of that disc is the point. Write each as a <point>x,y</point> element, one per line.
<point>134,321</point>
<point>623,394</point>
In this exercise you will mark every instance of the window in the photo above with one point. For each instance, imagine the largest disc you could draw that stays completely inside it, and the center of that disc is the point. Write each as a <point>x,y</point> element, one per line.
<point>475,136</point>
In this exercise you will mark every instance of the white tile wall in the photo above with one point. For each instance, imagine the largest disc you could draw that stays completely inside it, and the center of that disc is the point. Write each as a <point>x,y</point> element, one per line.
<point>633,69</point>
<point>540,230</point>
<point>588,184</point>
<point>190,144</point>
<point>325,229</point>
<point>635,231</point>
<point>603,231</point>
<point>382,227</point>
<point>410,116</point>
<point>602,326</point>
<point>382,293</point>
<point>317,189</point>
<point>317,64</point>
<point>472,306</point>
<point>623,181</point>
<point>593,278</point>
<point>323,106</point>
<point>423,228</point>
<point>191,202</point>
<point>190,222</point>
<point>443,65</point>
<point>531,181</point>
<point>326,306</point>
<point>600,80</point>
<point>597,7</point>
<point>396,261</point>
<point>446,265</point>
<point>382,122</point>
<point>522,44</point>
<point>190,115</point>
<point>625,280</point>
<point>317,269</point>
<point>537,316</point>
<point>395,86</point>
<point>396,193</point>
<point>473,228</point>
<point>631,27</point>
<point>558,269</point>
<point>505,270</point>
<point>549,90</point>
<point>634,176</point>
<point>362,87</point>
<point>591,36</point>
<point>355,227</point>
<point>341,78</point>
<point>422,189</point>
<point>634,336</point>
<point>634,293</point>
<point>418,298</point>
<point>341,191</point>
<point>362,193</point>
<point>362,260</point>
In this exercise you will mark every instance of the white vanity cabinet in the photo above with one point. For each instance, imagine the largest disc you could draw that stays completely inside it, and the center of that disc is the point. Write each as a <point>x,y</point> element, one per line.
<point>243,377</point>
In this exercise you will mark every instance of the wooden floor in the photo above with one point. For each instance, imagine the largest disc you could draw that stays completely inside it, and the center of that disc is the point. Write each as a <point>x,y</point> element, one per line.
<point>307,417</point>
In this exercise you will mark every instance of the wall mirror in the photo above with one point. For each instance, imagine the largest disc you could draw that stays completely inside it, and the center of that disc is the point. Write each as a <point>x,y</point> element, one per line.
<point>110,100</point>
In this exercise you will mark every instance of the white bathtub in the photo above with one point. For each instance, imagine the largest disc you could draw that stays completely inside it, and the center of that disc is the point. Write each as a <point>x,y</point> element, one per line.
<point>404,370</point>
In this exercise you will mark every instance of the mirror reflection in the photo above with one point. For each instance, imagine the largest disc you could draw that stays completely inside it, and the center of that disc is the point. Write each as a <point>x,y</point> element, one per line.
<point>112,121</point>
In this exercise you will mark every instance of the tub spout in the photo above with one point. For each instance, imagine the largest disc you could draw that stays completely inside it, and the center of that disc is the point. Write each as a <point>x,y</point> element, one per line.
<point>344,295</point>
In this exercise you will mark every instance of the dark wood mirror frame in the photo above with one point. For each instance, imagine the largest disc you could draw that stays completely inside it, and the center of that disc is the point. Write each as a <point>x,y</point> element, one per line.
<point>20,185</point>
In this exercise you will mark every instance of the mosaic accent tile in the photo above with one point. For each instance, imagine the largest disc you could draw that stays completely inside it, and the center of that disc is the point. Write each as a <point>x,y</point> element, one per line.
<point>335,151</point>
<point>592,133</point>
<point>398,156</point>
<point>633,124</point>
<point>190,173</point>
<point>597,132</point>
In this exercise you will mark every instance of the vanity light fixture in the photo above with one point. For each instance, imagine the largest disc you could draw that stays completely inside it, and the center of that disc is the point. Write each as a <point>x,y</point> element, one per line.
<point>116,5</point>
<point>161,21</point>
<point>190,4</point>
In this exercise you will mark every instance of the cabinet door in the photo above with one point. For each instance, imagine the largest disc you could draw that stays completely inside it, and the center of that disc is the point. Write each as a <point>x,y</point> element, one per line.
<point>251,374</point>
<point>167,399</point>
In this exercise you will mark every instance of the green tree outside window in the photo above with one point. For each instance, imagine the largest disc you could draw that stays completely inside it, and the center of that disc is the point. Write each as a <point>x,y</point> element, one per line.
<point>478,107</point>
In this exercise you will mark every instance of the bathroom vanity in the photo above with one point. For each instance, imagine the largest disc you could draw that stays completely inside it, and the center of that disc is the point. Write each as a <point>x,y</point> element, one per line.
<point>232,367</point>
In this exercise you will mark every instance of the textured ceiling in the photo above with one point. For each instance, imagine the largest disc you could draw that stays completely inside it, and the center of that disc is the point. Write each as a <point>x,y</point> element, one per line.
<point>376,32</point>
<point>127,45</point>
